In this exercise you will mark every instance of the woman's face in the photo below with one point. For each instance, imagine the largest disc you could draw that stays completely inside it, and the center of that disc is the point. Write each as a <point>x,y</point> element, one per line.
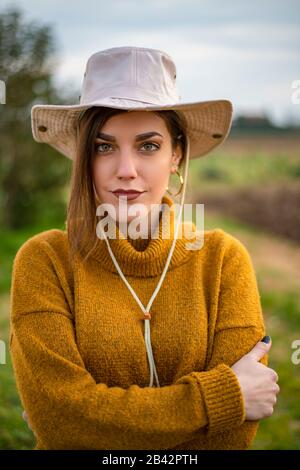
<point>126,159</point>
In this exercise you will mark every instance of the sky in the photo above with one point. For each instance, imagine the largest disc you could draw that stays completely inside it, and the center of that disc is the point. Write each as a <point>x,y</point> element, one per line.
<point>244,51</point>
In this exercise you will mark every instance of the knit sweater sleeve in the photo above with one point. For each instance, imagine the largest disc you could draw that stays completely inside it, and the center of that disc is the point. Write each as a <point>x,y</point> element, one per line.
<point>238,327</point>
<point>67,409</point>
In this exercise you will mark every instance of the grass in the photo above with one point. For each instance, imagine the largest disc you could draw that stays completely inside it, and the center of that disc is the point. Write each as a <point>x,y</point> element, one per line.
<point>241,170</point>
<point>14,432</point>
<point>10,241</point>
<point>281,310</point>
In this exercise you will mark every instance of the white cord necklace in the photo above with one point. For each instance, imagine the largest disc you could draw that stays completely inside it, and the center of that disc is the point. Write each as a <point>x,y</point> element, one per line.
<point>146,310</point>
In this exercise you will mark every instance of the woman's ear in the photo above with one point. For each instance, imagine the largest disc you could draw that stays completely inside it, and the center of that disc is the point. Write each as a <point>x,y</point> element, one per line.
<point>176,157</point>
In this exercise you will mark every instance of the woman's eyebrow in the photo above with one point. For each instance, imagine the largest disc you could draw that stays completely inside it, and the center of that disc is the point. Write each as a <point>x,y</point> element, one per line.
<point>138,137</point>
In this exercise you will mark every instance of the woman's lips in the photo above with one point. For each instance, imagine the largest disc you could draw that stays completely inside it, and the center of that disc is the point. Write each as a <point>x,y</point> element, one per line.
<point>128,196</point>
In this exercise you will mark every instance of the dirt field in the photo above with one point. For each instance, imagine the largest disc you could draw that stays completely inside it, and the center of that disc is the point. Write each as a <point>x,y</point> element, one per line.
<point>276,260</point>
<point>255,179</point>
<point>289,143</point>
<point>275,208</point>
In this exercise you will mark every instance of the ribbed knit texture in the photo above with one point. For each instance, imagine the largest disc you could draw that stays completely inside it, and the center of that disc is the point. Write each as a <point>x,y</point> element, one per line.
<point>79,356</point>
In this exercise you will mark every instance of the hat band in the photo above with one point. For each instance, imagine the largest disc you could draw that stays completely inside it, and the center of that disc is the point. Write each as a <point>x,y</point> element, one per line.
<point>130,93</point>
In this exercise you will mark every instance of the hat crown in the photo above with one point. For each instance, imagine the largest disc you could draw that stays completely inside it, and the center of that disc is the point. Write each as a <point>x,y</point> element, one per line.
<point>132,73</point>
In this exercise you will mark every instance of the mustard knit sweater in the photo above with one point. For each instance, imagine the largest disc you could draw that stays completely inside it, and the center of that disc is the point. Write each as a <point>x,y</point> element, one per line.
<point>79,355</point>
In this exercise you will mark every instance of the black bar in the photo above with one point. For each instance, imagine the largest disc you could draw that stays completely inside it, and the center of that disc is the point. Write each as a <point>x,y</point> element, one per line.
<point>138,458</point>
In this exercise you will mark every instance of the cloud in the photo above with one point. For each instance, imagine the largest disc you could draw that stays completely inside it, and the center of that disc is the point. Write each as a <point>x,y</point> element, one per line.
<point>247,51</point>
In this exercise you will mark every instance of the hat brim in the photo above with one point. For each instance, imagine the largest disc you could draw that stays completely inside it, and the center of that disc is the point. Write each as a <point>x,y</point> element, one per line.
<point>208,123</point>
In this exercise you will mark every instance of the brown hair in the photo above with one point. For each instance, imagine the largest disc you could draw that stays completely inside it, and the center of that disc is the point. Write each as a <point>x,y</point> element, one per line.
<point>81,212</point>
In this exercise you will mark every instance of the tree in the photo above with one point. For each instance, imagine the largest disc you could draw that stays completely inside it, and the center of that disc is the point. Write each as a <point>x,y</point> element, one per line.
<point>32,175</point>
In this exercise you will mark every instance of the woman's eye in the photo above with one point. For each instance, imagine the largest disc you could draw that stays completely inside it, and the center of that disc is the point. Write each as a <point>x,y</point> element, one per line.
<point>101,145</point>
<point>156,147</point>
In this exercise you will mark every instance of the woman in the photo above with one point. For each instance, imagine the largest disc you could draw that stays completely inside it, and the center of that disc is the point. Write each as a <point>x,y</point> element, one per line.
<point>81,346</point>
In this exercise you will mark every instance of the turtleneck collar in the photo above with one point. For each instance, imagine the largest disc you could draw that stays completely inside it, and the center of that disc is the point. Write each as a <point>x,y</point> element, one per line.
<point>146,257</point>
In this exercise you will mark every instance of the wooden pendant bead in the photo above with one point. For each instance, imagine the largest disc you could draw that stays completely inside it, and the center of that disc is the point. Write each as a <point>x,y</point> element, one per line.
<point>147,316</point>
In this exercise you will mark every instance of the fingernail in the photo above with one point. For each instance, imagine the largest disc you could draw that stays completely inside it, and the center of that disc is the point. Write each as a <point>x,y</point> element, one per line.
<point>266,339</point>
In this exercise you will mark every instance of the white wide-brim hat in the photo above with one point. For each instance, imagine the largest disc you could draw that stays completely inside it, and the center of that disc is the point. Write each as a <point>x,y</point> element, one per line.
<point>135,79</point>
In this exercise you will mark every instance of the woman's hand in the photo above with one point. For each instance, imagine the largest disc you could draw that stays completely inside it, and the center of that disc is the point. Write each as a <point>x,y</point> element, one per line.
<point>258,382</point>
<point>25,417</point>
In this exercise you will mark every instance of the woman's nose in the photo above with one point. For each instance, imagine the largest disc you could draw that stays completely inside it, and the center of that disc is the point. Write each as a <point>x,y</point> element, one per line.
<point>126,165</point>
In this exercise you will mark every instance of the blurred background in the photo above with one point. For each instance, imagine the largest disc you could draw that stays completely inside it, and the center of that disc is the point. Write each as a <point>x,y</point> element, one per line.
<point>248,52</point>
